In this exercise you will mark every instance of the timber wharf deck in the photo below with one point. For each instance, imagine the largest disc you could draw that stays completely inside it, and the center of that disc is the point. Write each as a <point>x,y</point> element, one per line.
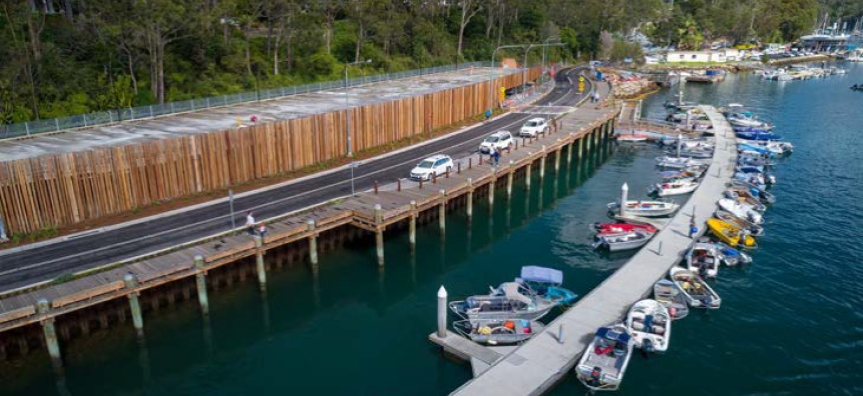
<point>372,210</point>
<point>534,367</point>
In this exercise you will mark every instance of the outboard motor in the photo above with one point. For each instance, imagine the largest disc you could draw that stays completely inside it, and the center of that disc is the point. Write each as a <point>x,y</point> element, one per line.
<point>595,376</point>
<point>647,345</point>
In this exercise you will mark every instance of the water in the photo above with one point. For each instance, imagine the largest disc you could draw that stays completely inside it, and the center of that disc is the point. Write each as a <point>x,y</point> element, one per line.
<point>789,324</point>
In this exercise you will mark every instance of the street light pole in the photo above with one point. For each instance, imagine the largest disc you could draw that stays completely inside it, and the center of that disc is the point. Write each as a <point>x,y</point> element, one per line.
<point>347,112</point>
<point>494,71</point>
<point>524,66</point>
<point>544,48</point>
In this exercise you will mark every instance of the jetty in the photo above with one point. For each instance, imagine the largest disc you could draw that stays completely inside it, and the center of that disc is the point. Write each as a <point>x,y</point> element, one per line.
<point>130,285</point>
<point>537,365</point>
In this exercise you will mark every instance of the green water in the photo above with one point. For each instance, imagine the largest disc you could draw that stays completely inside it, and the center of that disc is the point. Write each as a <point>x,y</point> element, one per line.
<point>789,324</point>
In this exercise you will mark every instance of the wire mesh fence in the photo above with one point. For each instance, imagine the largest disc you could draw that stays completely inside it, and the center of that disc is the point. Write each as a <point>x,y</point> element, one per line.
<point>143,112</point>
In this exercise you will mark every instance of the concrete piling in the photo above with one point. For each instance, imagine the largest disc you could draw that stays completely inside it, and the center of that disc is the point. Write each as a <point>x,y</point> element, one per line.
<point>581,147</point>
<point>442,212</point>
<point>557,160</point>
<point>412,234</point>
<point>509,177</point>
<point>441,312</point>
<point>259,263</point>
<point>542,164</point>
<point>201,281</point>
<point>469,198</point>
<point>135,306</point>
<point>313,242</point>
<point>569,153</point>
<point>379,242</point>
<point>528,170</point>
<point>491,194</point>
<point>50,333</point>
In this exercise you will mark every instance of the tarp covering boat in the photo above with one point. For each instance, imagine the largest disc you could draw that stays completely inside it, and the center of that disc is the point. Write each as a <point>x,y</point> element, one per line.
<point>534,273</point>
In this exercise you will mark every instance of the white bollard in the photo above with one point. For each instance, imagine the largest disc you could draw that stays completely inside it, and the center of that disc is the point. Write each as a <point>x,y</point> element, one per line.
<point>441,312</point>
<point>624,192</point>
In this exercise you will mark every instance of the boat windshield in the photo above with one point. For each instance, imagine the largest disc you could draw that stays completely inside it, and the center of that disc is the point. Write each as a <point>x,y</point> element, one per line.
<point>426,164</point>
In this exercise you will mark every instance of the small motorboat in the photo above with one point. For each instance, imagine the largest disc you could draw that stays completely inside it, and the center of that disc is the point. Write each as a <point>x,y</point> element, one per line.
<point>758,136</point>
<point>743,195</point>
<point>753,229</point>
<point>646,208</point>
<point>498,331</point>
<point>738,129</point>
<point>731,256</point>
<point>754,161</point>
<point>731,235</point>
<point>679,174</point>
<point>679,163</point>
<point>666,293</point>
<point>755,179</point>
<point>697,292</point>
<point>603,364</point>
<point>762,194</point>
<point>675,187</point>
<point>768,177</point>
<point>741,210</point>
<point>649,324</point>
<point>511,305</point>
<point>546,283</point>
<point>692,153</point>
<point>624,241</point>
<point>703,259</point>
<point>631,137</point>
<point>622,227</point>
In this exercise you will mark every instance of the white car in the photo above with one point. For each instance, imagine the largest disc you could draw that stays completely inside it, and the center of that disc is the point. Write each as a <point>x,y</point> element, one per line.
<point>436,164</point>
<point>533,127</point>
<point>501,140</point>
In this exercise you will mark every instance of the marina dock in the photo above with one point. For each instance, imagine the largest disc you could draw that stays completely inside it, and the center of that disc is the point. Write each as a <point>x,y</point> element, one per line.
<point>537,365</point>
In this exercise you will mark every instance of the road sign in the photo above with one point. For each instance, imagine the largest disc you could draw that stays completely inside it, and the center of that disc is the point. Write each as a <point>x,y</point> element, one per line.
<point>580,87</point>
<point>581,79</point>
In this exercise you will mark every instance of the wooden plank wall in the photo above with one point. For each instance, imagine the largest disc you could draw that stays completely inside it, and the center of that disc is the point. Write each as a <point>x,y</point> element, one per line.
<point>62,189</point>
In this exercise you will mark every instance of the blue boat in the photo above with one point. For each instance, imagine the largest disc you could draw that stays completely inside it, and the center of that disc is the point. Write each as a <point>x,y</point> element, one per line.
<point>750,129</point>
<point>545,282</point>
<point>758,136</point>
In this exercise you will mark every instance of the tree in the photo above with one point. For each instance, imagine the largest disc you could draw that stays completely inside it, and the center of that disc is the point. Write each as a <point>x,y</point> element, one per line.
<point>469,8</point>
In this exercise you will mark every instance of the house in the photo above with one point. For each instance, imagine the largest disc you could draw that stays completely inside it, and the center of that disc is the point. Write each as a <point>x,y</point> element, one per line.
<point>720,55</point>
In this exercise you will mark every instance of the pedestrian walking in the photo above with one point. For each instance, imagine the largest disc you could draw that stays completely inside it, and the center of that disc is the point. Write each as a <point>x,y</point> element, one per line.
<point>250,223</point>
<point>262,229</point>
<point>693,230</point>
<point>495,156</point>
<point>487,115</point>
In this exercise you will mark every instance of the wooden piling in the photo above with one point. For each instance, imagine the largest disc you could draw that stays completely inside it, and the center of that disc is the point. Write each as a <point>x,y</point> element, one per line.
<point>259,263</point>
<point>131,282</point>
<point>50,333</point>
<point>201,281</point>
<point>313,243</point>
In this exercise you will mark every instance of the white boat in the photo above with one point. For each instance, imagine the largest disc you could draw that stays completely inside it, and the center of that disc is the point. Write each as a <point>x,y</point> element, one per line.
<point>498,331</point>
<point>704,259</point>
<point>753,229</point>
<point>649,323</point>
<point>623,241</point>
<point>646,208</point>
<point>675,187</point>
<point>697,292</point>
<point>679,163</point>
<point>666,293</point>
<point>741,210</point>
<point>604,363</point>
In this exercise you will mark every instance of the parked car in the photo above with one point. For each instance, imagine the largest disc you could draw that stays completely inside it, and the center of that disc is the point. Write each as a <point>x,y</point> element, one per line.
<point>436,164</point>
<point>501,140</point>
<point>533,127</point>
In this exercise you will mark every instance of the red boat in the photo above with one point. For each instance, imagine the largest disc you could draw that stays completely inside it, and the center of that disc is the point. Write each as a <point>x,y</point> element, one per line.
<point>617,228</point>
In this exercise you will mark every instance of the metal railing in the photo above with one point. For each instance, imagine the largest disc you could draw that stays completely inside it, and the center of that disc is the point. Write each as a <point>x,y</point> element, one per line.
<point>144,112</point>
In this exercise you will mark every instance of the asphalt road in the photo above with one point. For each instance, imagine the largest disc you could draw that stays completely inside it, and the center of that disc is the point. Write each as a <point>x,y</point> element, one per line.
<point>34,265</point>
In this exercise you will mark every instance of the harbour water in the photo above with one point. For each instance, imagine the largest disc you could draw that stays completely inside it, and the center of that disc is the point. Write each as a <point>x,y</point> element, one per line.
<point>790,323</point>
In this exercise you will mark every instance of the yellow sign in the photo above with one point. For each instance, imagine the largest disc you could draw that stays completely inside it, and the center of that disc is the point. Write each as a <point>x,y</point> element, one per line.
<point>581,87</point>
<point>503,90</point>
<point>502,94</point>
<point>581,79</point>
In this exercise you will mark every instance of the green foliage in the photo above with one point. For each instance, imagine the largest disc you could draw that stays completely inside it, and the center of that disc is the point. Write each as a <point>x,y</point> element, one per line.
<point>320,64</point>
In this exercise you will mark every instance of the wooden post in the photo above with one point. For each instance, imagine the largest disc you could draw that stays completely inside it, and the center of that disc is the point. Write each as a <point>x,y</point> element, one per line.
<point>528,171</point>
<point>135,306</point>
<point>201,280</point>
<point>259,263</point>
<point>313,242</point>
<point>491,192</point>
<point>581,147</point>
<point>569,153</point>
<point>557,160</point>
<point>413,226</point>
<point>50,333</point>
<point>379,234</point>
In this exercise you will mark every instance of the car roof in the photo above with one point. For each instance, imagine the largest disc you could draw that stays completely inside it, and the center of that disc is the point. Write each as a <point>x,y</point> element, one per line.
<point>500,133</point>
<point>437,157</point>
<point>539,119</point>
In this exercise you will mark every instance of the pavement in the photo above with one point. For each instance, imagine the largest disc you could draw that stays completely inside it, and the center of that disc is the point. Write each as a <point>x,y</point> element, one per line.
<point>45,261</point>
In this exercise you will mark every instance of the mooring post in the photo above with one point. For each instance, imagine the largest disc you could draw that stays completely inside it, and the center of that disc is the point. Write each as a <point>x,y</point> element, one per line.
<point>560,333</point>
<point>469,198</point>
<point>311,225</point>
<point>581,147</point>
<point>259,263</point>
<point>624,191</point>
<point>135,306</point>
<point>44,308</point>
<point>379,234</point>
<point>441,312</point>
<point>441,217</point>
<point>542,163</point>
<point>557,160</point>
<point>569,153</point>
<point>509,177</point>
<point>201,280</point>
<point>528,170</point>
<point>413,226</point>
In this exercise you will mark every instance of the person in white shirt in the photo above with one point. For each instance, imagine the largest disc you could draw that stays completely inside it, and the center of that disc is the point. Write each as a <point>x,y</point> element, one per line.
<point>250,223</point>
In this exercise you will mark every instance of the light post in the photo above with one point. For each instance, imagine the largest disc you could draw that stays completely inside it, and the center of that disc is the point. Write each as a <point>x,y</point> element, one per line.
<point>494,70</point>
<point>347,104</point>
<point>544,48</point>
<point>524,66</point>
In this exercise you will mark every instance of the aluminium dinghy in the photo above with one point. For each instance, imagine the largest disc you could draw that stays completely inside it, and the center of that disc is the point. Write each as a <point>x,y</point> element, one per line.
<point>697,292</point>
<point>666,293</point>
<point>604,362</point>
<point>498,331</point>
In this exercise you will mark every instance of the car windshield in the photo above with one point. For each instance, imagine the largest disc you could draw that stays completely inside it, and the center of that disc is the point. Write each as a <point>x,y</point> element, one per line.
<point>492,139</point>
<point>426,164</point>
<point>532,123</point>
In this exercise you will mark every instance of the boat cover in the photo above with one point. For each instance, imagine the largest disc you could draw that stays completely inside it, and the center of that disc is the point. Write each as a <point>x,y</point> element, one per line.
<point>534,273</point>
<point>609,334</point>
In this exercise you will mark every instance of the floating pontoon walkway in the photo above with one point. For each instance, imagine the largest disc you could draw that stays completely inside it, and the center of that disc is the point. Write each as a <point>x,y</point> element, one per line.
<point>536,366</point>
